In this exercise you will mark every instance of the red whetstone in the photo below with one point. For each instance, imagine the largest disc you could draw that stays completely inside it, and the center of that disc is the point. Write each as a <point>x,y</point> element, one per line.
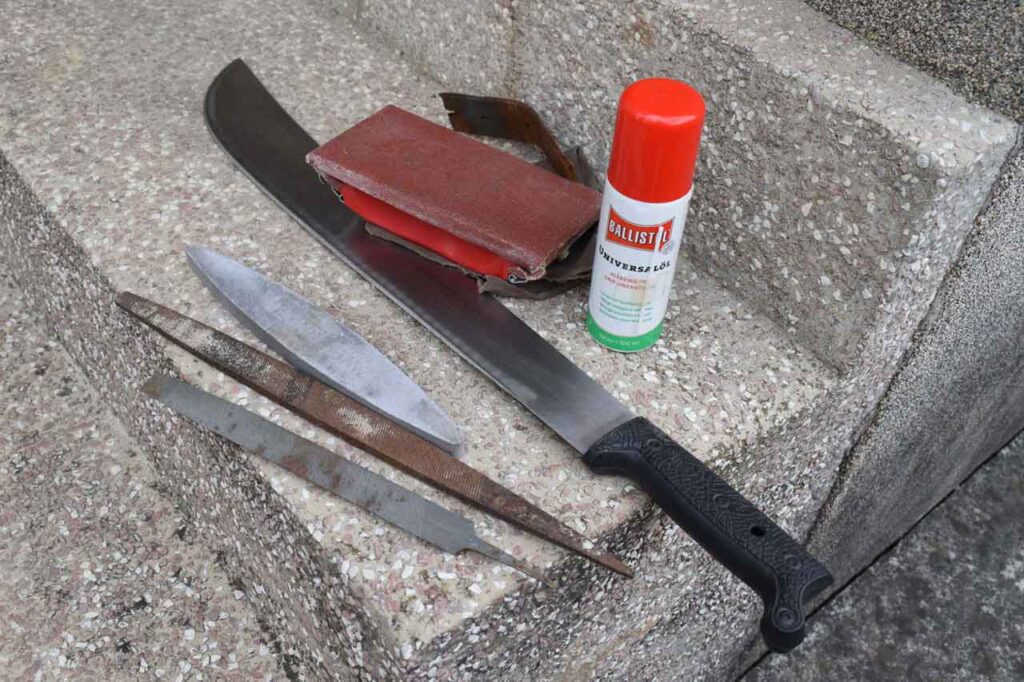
<point>482,195</point>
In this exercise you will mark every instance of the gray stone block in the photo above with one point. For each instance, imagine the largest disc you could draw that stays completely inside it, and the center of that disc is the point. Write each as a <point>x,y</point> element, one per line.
<point>795,91</point>
<point>977,47</point>
<point>102,577</point>
<point>466,46</point>
<point>825,166</point>
<point>139,177</point>
<point>108,172</point>
<point>958,396</point>
<point>826,171</point>
<point>235,511</point>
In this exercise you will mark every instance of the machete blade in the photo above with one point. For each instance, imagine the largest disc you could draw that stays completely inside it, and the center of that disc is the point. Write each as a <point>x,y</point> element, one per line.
<point>270,147</point>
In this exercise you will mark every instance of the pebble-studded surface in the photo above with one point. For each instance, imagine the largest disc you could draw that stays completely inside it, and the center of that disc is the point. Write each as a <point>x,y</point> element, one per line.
<point>947,603</point>
<point>101,117</point>
<point>977,48</point>
<point>101,578</point>
<point>138,183</point>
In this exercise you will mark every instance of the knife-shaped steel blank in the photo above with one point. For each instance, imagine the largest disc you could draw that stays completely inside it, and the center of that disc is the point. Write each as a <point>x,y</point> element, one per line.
<point>318,344</point>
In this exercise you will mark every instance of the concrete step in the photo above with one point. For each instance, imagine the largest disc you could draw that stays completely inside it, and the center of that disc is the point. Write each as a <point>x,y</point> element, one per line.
<point>830,175</point>
<point>109,171</point>
<point>838,191</point>
<point>821,181</point>
<point>975,47</point>
<point>102,577</point>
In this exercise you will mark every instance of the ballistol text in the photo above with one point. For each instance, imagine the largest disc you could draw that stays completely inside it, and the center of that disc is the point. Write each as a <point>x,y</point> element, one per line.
<point>643,237</point>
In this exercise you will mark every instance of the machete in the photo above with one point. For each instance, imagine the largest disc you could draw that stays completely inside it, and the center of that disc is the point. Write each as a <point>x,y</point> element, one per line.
<point>334,411</point>
<point>413,513</point>
<point>319,345</point>
<point>270,147</point>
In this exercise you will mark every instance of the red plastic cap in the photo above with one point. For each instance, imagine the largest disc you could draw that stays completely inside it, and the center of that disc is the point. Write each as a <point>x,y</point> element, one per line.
<point>657,132</point>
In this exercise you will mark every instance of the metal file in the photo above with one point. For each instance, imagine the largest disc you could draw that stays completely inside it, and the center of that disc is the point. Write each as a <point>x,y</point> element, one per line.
<point>399,506</point>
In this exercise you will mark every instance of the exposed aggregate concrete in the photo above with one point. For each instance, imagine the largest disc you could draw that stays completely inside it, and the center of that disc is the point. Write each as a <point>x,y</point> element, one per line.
<point>947,603</point>
<point>959,395</point>
<point>683,613</point>
<point>826,168</point>
<point>100,576</point>
<point>466,46</point>
<point>976,46</point>
<point>136,183</point>
<point>848,257</point>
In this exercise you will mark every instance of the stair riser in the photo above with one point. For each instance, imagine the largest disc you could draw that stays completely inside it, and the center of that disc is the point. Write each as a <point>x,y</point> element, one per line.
<point>234,510</point>
<point>463,45</point>
<point>975,47</point>
<point>810,194</point>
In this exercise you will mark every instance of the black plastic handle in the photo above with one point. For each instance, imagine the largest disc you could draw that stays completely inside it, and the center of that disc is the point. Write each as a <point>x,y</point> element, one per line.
<point>724,522</point>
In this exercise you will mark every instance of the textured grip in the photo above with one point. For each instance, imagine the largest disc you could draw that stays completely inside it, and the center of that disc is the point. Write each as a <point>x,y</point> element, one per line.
<point>724,522</point>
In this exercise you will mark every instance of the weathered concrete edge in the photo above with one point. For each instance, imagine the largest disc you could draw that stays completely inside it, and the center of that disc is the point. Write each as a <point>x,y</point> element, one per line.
<point>840,418</point>
<point>900,120</point>
<point>976,48</point>
<point>958,396</point>
<point>849,72</point>
<point>326,630</point>
<point>859,94</point>
<point>833,428</point>
<point>466,45</point>
<point>854,525</point>
<point>750,26</point>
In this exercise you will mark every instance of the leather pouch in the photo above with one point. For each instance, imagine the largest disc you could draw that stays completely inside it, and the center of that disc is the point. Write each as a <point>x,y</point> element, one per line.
<point>514,225</point>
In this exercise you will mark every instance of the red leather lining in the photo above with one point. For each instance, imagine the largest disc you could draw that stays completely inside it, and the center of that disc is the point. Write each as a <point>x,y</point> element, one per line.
<point>412,229</point>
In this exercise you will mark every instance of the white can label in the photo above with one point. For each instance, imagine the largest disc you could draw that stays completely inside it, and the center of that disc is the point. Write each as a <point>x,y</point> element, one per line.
<point>637,248</point>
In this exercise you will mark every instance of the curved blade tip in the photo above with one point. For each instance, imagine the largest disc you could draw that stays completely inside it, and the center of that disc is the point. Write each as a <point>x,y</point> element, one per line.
<point>197,253</point>
<point>446,434</point>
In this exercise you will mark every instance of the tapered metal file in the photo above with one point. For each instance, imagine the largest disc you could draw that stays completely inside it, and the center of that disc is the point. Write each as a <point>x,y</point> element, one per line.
<point>332,410</point>
<point>412,513</point>
<point>318,344</point>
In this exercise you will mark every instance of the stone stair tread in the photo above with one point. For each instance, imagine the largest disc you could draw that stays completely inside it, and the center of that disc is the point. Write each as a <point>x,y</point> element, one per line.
<point>104,124</point>
<point>102,577</point>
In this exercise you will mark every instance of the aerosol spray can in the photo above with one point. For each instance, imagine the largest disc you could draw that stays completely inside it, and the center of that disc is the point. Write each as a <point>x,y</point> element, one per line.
<point>646,196</point>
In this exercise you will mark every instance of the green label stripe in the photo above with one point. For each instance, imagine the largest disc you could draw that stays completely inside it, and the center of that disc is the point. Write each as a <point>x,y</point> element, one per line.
<point>625,344</point>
